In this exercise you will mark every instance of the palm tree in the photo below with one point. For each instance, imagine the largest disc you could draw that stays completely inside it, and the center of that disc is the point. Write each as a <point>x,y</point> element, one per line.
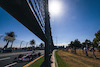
<point>10,37</point>
<point>32,42</point>
<point>41,45</point>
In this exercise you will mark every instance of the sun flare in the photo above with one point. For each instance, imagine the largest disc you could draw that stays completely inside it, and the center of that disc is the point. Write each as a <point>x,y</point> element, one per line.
<point>55,7</point>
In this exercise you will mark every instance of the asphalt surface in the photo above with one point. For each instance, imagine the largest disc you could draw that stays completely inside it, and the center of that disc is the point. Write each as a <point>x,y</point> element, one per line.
<point>6,59</point>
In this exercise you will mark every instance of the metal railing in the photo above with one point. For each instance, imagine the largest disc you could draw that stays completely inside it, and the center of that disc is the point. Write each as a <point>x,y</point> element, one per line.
<point>37,7</point>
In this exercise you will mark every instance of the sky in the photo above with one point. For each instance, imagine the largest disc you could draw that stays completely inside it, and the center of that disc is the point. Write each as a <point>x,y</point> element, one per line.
<point>76,19</point>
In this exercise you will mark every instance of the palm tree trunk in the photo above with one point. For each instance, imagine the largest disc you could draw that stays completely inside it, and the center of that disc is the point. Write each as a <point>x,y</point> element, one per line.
<point>6,45</point>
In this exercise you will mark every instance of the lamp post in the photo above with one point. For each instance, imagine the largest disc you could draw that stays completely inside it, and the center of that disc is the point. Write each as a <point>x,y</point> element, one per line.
<point>21,44</point>
<point>26,44</point>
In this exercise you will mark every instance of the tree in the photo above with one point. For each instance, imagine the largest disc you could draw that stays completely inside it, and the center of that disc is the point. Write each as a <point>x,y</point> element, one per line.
<point>71,44</point>
<point>10,37</point>
<point>95,42</point>
<point>76,44</point>
<point>98,35</point>
<point>83,45</point>
<point>41,45</point>
<point>96,39</point>
<point>92,48</point>
<point>88,43</point>
<point>32,42</point>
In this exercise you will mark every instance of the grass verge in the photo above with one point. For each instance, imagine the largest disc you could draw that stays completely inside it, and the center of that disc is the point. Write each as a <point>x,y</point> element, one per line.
<point>60,61</point>
<point>74,60</point>
<point>37,63</point>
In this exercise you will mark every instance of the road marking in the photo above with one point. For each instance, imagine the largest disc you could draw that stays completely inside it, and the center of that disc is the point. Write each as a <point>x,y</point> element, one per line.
<point>33,61</point>
<point>11,64</point>
<point>5,58</point>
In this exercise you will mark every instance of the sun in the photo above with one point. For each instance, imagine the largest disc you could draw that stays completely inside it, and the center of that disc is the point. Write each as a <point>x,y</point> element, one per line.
<point>55,7</point>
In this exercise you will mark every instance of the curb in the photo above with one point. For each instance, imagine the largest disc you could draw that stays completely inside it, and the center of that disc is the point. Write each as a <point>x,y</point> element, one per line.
<point>53,59</point>
<point>32,61</point>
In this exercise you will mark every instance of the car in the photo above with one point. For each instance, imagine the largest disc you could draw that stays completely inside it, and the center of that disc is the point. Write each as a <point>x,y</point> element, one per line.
<point>22,58</point>
<point>27,57</point>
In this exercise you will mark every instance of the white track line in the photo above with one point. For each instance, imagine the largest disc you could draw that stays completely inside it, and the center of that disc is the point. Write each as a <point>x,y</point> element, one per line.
<point>10,64</point>
<point>5,58</point>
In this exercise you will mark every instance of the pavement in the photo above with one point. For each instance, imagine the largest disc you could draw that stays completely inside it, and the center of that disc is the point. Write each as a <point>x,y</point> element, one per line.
<point>6,59</point>
<point>53,59</point>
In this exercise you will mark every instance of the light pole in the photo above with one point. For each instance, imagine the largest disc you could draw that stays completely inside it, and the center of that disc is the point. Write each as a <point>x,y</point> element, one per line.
<point>21,44</point>
<point>26,44</point>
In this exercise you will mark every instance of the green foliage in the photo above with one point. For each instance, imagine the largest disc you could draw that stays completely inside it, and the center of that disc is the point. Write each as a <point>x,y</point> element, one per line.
<point>10,37</point>
<point>98,35</point>
<point>75,43</point>
<point>83,44</point>
<point>41,45</point>
<point>97,38</point>
<point>88,42</point>
<point>71,44</point>
<point>95,42</point>
<point>32,42</point>
<point>11,34</point>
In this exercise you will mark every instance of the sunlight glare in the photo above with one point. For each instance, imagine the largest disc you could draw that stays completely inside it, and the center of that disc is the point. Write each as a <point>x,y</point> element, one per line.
<point>55,7</point>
